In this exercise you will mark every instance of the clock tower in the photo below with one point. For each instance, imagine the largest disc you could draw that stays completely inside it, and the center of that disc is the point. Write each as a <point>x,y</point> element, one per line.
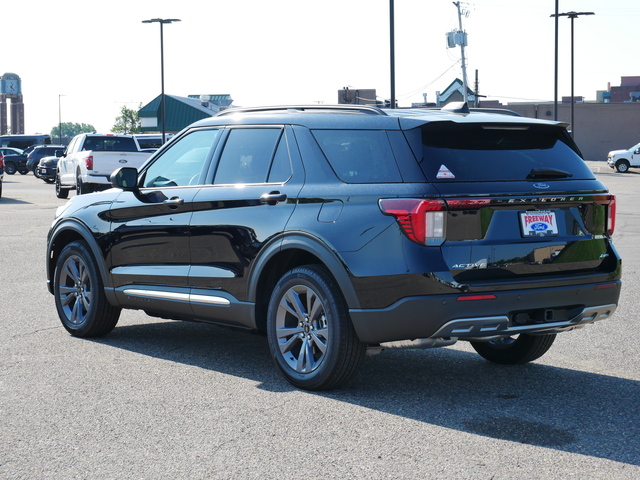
<point>11,89</point>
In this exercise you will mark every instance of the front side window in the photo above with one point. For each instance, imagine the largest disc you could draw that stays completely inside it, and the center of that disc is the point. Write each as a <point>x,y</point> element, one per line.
<point>182,163</point>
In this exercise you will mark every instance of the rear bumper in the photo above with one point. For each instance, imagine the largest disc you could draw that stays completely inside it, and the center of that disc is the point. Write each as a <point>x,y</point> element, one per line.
<point>96,178</point>
<point>551,310</point>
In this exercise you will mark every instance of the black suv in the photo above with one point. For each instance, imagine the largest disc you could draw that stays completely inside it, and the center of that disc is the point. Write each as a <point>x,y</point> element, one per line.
<point>33,158</point>
<point>337,229</point>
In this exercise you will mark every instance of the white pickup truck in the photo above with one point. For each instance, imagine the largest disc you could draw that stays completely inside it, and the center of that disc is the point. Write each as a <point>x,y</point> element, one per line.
<point>91,158</point>
<point>622,160</point>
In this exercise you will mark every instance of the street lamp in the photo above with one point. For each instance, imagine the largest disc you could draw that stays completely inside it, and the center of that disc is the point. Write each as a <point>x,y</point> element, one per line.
<point>162,21</point>
<point>60,120</point>
<point>572,16</point>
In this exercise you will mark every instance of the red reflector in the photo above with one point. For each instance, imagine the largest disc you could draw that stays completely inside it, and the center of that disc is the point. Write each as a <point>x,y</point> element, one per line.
<point>602,286</point>
<point>465,298</point>
<point>468,204</point>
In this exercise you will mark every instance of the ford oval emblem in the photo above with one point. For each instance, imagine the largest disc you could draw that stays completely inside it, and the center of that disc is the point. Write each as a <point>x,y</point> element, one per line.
<point>122,160</point>
<point>539,227</point>
<point>541,185</point>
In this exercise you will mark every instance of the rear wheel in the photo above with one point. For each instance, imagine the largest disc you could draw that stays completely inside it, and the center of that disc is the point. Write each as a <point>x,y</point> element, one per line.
<point>310,333</point>
<point>24,172</point>
<point>10,168</point>
<point>622,166</point>
<point>61,192</point>
<point>81,187</point>
<point>522,348</point>
<point>79,294</point>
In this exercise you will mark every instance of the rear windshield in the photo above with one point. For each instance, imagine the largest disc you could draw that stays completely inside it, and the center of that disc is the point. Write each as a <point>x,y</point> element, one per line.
<point>110,144</point>
<point>479,153</point>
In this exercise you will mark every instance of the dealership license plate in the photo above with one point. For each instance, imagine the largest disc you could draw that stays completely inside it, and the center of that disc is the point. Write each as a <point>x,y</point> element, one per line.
<point>539,223</point>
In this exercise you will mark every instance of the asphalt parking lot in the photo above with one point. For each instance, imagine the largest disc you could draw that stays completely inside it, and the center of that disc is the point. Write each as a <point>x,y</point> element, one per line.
<point>158,399</point>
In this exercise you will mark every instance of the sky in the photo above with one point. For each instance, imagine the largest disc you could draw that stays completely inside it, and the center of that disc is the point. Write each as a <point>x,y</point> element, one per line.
<point>82,61</point>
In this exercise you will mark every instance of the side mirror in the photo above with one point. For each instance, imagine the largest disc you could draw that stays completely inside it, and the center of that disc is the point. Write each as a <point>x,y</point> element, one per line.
<point>125,178</point>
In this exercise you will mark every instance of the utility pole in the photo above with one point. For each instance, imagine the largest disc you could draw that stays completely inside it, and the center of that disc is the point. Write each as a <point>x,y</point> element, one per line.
<point>476,90</point>
<point>464,62</point>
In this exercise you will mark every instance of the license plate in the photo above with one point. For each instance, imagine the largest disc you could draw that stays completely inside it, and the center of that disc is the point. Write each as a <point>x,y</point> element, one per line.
<point>539,223</point>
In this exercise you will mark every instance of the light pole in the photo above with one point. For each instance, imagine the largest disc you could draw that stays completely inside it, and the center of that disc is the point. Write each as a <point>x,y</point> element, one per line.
<point>60,120</point>
<point>392,53</point>
<point>162,21</point>
<point>555,77</point>
<point>572,16</point>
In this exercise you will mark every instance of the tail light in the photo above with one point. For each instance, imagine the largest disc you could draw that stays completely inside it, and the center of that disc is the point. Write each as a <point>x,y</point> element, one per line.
<point>88,161</point>
<point>609,201</point>
<point>423,221</point>
<point>1,161</point>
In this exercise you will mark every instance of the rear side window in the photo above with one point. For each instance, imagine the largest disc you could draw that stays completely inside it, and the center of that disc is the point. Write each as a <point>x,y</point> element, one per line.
<point>480,153</point>
<point>359,156</point>
<point>254,155</point>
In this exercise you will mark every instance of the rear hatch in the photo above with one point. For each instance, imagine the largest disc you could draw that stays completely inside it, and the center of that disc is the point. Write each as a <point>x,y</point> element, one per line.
<point>518,204</point>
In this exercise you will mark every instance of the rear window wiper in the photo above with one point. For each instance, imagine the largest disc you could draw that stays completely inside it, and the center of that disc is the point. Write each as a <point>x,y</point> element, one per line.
<point>548,173</point>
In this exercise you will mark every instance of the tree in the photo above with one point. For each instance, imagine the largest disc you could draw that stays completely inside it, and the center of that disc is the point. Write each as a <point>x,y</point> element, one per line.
<point>127,122</point>
<point>72,129</point>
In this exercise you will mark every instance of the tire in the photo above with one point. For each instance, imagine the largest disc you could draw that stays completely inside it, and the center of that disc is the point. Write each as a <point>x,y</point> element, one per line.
<point>310,334</point>
<point>79,294</point>
<point>24,172</point>
<point>10,168</point>
<point>622,166</point>
<point>81,187</point>
<point>48,180</point>
<point>514,350</point>
<point>61,192</point>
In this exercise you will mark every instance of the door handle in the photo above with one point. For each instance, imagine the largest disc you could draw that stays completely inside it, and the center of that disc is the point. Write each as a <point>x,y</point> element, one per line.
<point>174,202</point>
<point>272,198</point>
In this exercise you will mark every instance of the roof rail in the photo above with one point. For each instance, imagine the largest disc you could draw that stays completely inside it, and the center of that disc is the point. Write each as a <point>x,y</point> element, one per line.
<point>364,109</point>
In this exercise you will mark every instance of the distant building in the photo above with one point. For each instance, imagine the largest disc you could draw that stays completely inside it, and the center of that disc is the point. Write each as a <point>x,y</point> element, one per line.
<point>454,93</point>
<point>628,91</point>
<point>358,96</point>
<point>180,111</point>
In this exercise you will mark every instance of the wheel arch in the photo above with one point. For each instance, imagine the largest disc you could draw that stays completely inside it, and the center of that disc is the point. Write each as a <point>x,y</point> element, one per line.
<point>289,252</point>
<point>65,233</point>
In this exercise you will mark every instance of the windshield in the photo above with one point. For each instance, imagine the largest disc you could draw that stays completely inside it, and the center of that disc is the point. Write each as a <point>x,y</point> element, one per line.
<point>499,152</point>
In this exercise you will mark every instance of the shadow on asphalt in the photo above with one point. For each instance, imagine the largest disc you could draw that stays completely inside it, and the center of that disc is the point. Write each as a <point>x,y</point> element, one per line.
<point>567,410</point>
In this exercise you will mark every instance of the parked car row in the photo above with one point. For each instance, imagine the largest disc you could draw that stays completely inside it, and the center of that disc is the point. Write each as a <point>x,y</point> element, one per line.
<point>25,161</point>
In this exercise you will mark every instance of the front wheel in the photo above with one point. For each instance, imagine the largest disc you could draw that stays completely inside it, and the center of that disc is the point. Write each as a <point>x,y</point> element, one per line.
<point>522,348</point>
<point>622,166</point>
<point>310,334</point>
<point>79,294</point>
